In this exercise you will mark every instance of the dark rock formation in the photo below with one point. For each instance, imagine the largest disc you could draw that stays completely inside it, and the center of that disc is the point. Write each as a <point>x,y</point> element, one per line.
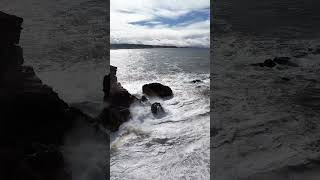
<point>157,109</point>
<point>257,64</point>
<point>10,29</point>
<point>281,60</point>
<point>157,89</point>
<point>31,113</point>
<point>196,81</point>
<point>269,63</point>
<point>284,61</point>
<point>144,99</point>
<point>117,100</point>
<point>277,60</point>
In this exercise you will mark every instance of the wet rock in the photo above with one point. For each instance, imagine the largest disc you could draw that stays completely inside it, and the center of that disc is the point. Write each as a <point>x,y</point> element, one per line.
<point>196,81</point>
<point>269,63</point>
<point>281,60</point>
<point>257,64</point>
<point>144,99</point>
<point>157,89</point>
<point>157,109</point>
<point>285,61</point>
<point>285,79</point>
<point>118,101</point>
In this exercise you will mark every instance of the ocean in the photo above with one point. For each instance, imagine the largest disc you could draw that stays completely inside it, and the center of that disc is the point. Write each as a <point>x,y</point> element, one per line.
<point>260,121</point>
<point>175,146</point>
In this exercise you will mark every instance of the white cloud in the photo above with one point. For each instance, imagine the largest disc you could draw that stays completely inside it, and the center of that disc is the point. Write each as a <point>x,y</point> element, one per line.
<point>124,12</point>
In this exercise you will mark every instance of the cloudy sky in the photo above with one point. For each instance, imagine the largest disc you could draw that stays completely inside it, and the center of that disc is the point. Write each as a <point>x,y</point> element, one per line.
<point>161,22</point>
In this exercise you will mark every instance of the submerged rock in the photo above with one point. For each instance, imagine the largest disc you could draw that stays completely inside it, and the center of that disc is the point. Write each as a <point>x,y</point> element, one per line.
<point>157,89</point>
<point>157,109</point>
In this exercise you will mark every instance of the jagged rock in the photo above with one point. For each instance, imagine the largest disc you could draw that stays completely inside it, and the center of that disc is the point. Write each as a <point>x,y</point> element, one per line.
<point>157,109</point>
<point>157,89</point>
<point>30,112</point>
<point>118,101</point>
<point>10,29</point>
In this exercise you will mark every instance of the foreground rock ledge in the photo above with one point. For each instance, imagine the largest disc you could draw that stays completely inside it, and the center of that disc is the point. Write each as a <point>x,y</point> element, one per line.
<point>33,119</point>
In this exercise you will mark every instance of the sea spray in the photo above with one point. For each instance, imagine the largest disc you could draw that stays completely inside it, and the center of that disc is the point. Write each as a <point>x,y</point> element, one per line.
<point>86,151</point>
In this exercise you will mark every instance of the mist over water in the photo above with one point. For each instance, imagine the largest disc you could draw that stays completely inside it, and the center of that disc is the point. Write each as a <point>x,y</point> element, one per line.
<point>175,146</point>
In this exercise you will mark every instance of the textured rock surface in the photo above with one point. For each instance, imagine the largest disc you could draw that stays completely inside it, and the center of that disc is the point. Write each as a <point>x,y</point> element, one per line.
<point>31,113</point>
<point>157,89</point>
<point>117,100</point>
<point>157,109</point>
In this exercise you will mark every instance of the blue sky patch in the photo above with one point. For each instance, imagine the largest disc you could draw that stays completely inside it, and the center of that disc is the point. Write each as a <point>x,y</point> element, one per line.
<point>183,20</point>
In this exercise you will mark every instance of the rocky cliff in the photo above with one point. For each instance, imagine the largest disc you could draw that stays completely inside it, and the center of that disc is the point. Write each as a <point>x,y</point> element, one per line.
<point>117,102</point>
<point>33,118</point>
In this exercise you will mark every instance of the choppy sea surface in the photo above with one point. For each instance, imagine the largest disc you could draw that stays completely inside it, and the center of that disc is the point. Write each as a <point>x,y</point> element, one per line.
<point>175,146</point>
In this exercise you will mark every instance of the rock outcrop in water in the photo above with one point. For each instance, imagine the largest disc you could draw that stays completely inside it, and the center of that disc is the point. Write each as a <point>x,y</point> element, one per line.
<point>157,89</point>
<point>117,101</point>
<point>33,119</point>
<point>283,61</point>
<point>157,109</point>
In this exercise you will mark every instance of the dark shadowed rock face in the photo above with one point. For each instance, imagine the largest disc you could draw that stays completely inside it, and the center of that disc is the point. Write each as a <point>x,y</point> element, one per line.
<point>30,112</point>
<point>118,101</point>
<point>10,29</point>
<point>157,89</point>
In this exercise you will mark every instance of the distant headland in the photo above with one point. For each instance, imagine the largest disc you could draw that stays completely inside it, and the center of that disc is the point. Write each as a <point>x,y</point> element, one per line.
<point>138,46</point>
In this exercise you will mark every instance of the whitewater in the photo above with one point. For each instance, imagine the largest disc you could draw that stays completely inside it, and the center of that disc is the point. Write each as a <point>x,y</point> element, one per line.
<point>175,146</point>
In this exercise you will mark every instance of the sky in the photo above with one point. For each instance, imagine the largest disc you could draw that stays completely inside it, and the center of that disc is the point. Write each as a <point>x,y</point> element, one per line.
<point>160,22</point>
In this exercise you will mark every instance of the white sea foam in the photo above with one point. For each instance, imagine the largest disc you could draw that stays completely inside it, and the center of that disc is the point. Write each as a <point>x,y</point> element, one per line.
<point>175,146</point>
